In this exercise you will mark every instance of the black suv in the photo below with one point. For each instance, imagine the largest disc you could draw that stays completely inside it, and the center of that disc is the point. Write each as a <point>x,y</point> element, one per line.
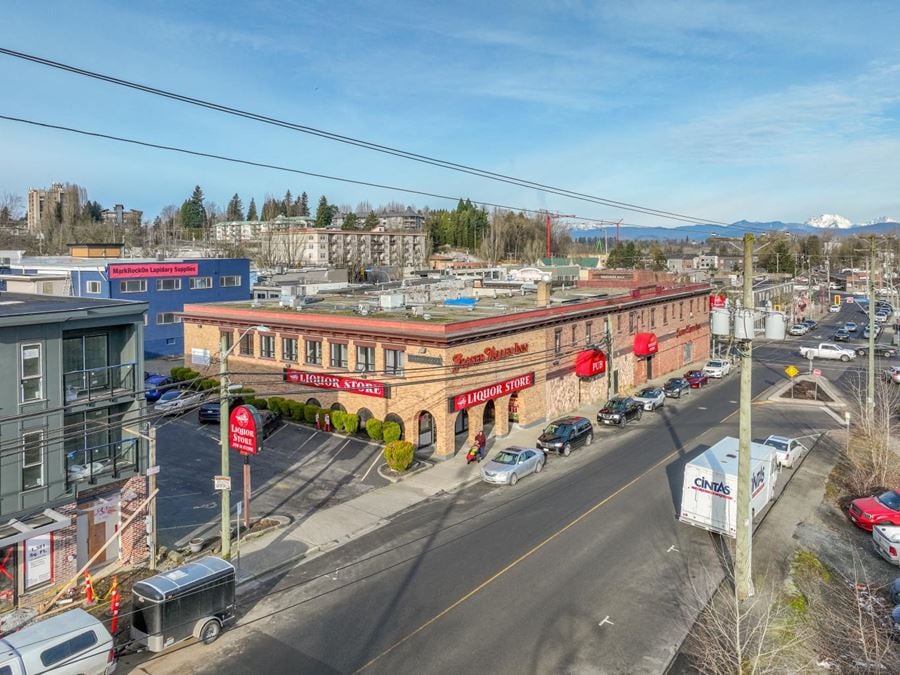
<point>566,433</point>
<point>676,387</point>
<point>619,411</point>
<point>209,412</point>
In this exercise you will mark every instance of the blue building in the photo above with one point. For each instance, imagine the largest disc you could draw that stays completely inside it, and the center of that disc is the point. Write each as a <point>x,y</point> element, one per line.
<point>165,285</point>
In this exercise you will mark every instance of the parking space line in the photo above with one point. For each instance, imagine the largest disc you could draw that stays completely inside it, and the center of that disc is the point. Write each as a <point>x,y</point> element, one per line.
<point>371,466</point>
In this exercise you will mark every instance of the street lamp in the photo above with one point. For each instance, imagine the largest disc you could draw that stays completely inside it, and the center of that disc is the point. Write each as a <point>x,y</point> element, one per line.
<point>224,351</point>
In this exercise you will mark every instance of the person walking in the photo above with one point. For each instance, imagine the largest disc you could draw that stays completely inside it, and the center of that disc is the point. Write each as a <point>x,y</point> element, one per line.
<point>481,441</point>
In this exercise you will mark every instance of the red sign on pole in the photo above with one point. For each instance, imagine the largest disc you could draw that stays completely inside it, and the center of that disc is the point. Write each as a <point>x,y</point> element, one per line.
<point>485,394</point>
<point>817,372</point>
<point>138,270</point>
<point>326,381</point>
<point>589,363</point>
<point>244,430</point>
<point>716,301</point>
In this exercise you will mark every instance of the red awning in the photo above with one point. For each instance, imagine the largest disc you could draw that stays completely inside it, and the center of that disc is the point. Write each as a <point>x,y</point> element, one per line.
<point>645,344</point>
<point>589,363</point>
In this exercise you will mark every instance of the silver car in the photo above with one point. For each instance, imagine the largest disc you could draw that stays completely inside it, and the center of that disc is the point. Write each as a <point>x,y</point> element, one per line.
<point>177,401</point>
<point>511,464</point>
<point>651,398</point>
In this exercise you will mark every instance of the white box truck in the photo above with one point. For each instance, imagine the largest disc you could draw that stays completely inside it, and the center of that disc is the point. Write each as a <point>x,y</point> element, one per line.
<point>709,493</point>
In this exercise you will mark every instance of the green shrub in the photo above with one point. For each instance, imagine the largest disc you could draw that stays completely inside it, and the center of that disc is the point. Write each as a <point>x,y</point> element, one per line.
<point>337,419</point>
<point>177,373</point>
<point>391,432</point>
<point>206,384</point>
<point>275,404</point>
<point>295,410</point>
<point>373,428</point>
<point>245,390</point>
<point>398,454</point>
<point>351,423</point>
<point>309,413</point>
<point>260,403</point>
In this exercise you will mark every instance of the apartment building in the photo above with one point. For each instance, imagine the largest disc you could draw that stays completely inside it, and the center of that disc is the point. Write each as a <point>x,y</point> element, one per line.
<point>338,248</point>
<point>70,466</point>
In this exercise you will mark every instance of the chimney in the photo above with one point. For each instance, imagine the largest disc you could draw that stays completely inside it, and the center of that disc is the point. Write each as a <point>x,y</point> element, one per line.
<point>543,294</point>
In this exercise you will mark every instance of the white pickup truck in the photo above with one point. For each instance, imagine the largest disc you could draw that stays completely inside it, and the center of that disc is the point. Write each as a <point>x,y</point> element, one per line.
<point>827,350</point>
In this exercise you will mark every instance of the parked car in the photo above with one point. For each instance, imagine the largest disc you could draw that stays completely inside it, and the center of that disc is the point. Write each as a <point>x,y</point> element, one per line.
<point>810,324</point>
<point>886,540</point>
<point>827,350</point>
<point>891,374</point>
<point>883,509</point>
<point>834,309</point>
<point>798,329</point>
<point>851,327</point>
<point>66,644</point>
<point>676,387</point>
<point>886,351</point>
<point>176,401</point>
<point>841,335</point>
<point>209,411</point>
<point>696,378</point>
<point>866,332</point>
<point>155,385</point>
<point>511,464</point>
<point>651,398</point>
<point>620,410</point>
<point>881,317</point>
<point>270,422</point>
<point>564,434</point>
<point>717,368</point>
<point>788,451</point>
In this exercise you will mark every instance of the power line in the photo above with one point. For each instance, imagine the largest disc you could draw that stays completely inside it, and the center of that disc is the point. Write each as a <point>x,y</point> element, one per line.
<point>349,140</point>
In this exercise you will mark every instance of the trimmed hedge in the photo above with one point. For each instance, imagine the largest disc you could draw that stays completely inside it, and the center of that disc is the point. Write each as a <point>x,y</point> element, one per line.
<point>391,432</point>
<point>373,428</point>
<point>277,404</point>
<point>309,414</point>
<point>351,423</point>
<point>399,455</point>
<point>296,410</point>
<point>337,419</point>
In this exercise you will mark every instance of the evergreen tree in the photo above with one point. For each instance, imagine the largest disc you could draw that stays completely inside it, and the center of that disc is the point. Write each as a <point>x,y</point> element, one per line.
<point>351,222</point>
<point>271,208</point>
<point>779,258</point>
<point>304,205</point>
<point>630,259</point>
<point>193,213</point>
<point>371,221</point>
<point>659,262</point>
<point>251,210</point>
<point>287,204</point>
<point>235,209</point>
<point>324,213</point>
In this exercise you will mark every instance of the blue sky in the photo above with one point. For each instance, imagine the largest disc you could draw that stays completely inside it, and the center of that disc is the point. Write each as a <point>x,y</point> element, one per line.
<point>718,109</point>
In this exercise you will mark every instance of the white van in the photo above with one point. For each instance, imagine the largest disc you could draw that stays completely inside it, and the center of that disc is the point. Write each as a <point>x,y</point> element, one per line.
<point>71,643</point>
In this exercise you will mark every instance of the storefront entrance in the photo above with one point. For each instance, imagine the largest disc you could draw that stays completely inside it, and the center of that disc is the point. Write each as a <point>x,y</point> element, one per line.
<point>488,418</point>
<point>461,429</point>
<point>514,409</point>
<point>426,429</point>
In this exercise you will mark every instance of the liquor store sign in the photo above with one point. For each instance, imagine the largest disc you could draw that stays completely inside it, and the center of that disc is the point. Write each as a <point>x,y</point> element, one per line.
<point>339,382</point>
<point>488,354</point>
<point>485,394</point>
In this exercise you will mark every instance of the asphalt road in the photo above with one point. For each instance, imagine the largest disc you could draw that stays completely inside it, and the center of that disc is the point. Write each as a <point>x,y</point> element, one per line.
<point>582,568</point>
<point>298,471</point>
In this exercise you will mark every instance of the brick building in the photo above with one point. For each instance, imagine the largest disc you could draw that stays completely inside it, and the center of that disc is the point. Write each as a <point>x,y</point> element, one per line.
<point>445,366</point>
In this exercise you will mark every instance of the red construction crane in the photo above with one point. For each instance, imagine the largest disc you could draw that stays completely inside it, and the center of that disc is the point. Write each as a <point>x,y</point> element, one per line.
<point>548,218</point>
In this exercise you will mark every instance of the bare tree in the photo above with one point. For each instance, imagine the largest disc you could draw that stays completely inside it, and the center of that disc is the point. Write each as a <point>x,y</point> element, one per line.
<point>872,449</point>
<point>10,208</point>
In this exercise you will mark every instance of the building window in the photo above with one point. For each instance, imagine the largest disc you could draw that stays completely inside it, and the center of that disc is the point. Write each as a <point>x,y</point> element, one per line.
<point>163,318</point>
<point>314,352</point>
<point>619,323</point>
<point>393,362</point>
<point>631,322</point>
<point>557,341</point>
<point>267,346</point>
<point>338,355</point>
<point>681,311</point>
<point>653,318</point>
<point>133,286</point>
<point>226,339</point>
<point>289,349</point>
<point>574,339</point>
<point>198,283</point>
<point>168,284</point>
<point>170,341</point>
<point>365,359</point>
<point>665,315</point>
<point>692,307</point>
<point>230,280</point>
<point>47,288</point>
<point>687,352</point>
<point>32,384</point>
<point>32,459</point>
<point>246,348</point>
<point>587,333</point>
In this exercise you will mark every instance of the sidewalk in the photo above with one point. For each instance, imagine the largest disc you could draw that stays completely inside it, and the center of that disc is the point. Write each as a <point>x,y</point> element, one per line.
<point>327,529</point>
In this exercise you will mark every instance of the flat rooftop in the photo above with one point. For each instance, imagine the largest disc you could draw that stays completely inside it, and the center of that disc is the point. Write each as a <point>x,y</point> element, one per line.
<point>74,262</point>
<point>28,304</point>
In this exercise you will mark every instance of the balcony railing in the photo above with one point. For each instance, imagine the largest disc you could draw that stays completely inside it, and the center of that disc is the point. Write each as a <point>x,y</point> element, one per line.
<point>108,460</point>
<point>86,385</point>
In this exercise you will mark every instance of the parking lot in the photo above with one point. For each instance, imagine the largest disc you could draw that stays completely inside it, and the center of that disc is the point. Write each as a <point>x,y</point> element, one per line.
<point>298,471</point>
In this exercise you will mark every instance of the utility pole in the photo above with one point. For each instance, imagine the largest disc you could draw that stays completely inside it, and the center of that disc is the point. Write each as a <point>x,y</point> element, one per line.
<point>744,543</point>
<point>870,388</point>
<point>223,444</point>
<point>610,365</point>
<point>151,443</point>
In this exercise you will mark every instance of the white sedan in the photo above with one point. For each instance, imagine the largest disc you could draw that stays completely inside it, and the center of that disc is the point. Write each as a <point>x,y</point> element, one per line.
<point>787,450</point>
<point>176,401</point>
<point>717,368</point>
<point>651,398</point>
<point>886,539</point>
<point>834,309</point>
<point>798,329</point>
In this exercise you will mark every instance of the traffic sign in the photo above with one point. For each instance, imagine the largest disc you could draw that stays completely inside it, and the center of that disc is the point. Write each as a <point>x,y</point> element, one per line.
<point>222,482</point>
<point>152,470</point>
<point>792,371</point>
<point>817,372</point>
<point>849,300</point>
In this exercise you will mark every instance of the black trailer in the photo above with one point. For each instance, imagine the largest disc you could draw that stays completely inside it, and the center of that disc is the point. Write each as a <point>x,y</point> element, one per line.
<point>194,600</point>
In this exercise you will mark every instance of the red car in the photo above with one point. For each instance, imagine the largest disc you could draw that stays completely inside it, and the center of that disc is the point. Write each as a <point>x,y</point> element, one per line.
<point>883,509</point>
<point>696,378</point>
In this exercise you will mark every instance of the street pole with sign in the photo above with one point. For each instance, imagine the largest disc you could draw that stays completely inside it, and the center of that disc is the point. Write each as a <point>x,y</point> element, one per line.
<point>223,444</point>
<point>244,435</point>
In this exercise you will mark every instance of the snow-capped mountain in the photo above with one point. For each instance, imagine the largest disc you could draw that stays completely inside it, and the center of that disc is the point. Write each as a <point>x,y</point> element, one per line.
<point>883,219</point>
<point>830,221</point>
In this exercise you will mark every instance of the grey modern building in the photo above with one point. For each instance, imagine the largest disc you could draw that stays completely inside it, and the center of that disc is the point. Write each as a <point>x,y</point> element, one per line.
<point>70,469</point>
